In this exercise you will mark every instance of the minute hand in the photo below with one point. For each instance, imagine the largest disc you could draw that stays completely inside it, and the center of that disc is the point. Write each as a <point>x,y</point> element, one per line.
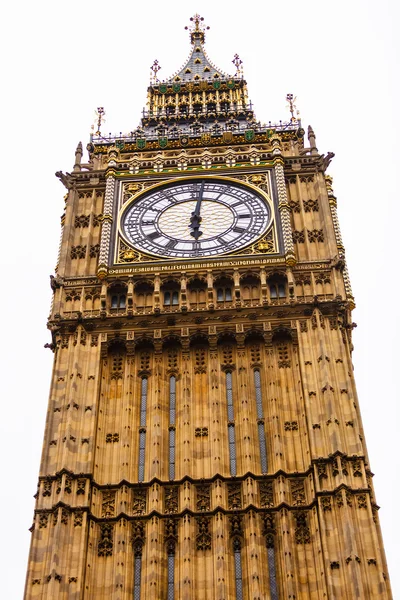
<point>195,219</point>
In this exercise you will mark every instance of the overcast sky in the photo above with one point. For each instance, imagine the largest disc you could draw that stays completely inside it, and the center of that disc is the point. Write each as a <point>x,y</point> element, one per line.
<point>63,59</point>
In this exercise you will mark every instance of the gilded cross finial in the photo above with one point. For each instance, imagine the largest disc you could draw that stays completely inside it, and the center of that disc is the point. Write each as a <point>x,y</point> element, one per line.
<point>100,116</point>
<point>197,30</point>
<point>239,65</point>
<point>154,68</point>
<point>292,107</point>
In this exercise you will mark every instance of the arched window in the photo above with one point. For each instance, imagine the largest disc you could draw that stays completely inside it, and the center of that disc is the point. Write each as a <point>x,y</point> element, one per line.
<point>144,295</point>
<point>197,292</point>
<point>277,287</point>
<point>170,291</point>
<point>224,294</point>
<point>118,301</point>
<point>117,295</point>
<point>171,298</point>
<point>223,287</point>
<point>250,290</point>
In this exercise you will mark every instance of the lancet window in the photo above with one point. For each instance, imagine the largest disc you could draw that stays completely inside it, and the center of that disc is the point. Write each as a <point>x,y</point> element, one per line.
<point>142,428</point>
<point>260,422</point>
<point>277,287</point>
<point>238,569</point>
<point>172,416</point>
<point>117,295</point>
<point>231,424</point>
<point>137,577</point>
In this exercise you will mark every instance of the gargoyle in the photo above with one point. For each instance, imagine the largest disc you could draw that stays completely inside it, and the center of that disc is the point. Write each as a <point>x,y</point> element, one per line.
<point>66,179</point>
<point>324,161</point>
<point>55,282</point>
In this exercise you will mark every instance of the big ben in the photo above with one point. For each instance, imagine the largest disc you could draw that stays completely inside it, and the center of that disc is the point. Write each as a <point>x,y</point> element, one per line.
<point>203,436</point>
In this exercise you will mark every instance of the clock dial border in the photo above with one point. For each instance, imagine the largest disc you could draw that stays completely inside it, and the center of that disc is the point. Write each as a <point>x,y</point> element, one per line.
<point>244,242</point>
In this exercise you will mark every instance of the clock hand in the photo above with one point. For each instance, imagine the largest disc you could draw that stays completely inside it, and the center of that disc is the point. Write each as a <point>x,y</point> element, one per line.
<point>195,219</point>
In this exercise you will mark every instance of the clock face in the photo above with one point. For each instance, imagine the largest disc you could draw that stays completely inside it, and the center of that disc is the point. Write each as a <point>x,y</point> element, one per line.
<point>196,218</point>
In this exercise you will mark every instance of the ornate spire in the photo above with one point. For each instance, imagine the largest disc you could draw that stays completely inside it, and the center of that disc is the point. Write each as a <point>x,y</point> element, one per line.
<point>292,107</point>
<point>154,70</point>
<point>239,65</point>
<point>197,30</point>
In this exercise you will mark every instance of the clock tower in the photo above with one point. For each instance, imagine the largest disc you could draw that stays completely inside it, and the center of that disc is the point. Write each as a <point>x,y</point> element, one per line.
<point>203,435</point>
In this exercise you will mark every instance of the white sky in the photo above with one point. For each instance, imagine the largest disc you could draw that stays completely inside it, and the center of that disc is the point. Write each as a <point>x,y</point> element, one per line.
<point>63,59</point>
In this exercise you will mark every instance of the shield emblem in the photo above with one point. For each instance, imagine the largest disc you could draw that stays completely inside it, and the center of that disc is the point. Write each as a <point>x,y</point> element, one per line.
<point>205,138</point>
<point>230,84</point>
<point>203,85</point>
<point>163,141</point>
<point>216,85</point>
<point>249,135</point>
<point>176,87</point>
<point>227,136</point>
<point>140,143</point>
<point>163,88</point>
<point>120,144</point>
<point>184,140</point>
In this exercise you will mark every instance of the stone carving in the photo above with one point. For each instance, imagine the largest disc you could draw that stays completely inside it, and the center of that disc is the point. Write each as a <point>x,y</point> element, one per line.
<point>321,470</point>
<point>235,525</point>
<point>356,466</point>
<point>255,353</point>
<point>269,530</point>
<point>201,432</point>
<point>138,537</point>
<point>64,516</point>
<point>200,361</point>
<point>203,500</point>
<point>294,206</point>
<point>298,492</point>
<point>108,504</point>
<point>234,496</point>
<point>291,426</point>
<point>78,518</point>
<point>203,535</point>
<point>362,501</point>
<point>47,487</point>
<point>339,499</point>
<point>266,494</point>
<point>326,504</point>
<point>171,534</point>
<point>171,499</point>
<point>82,221</point>
<point>106,541</point>
<point>68,480</point>
<point>78,251</point>
<point>43,520</point>
<point>298,237</point>
<point>139,501</point>
<point>94,250</point>
<point>302,530</point>
<point>315,235</point>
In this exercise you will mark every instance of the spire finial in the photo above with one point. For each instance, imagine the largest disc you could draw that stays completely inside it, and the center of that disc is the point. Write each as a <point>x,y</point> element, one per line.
<point>197,30</point>
<point>155,67</point>
<point>239,65</point>
<point>292,107</point>
<point>99,114</point>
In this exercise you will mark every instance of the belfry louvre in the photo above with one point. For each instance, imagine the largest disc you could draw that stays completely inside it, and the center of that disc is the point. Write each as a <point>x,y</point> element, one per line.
<point>203,437</point>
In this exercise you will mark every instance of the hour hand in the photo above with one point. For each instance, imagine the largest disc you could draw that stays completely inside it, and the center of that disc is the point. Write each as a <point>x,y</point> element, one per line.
<point>195,219</point>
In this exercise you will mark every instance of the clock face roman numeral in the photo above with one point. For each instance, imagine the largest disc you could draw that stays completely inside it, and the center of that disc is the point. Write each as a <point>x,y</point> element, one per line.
<point>231,217</point>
